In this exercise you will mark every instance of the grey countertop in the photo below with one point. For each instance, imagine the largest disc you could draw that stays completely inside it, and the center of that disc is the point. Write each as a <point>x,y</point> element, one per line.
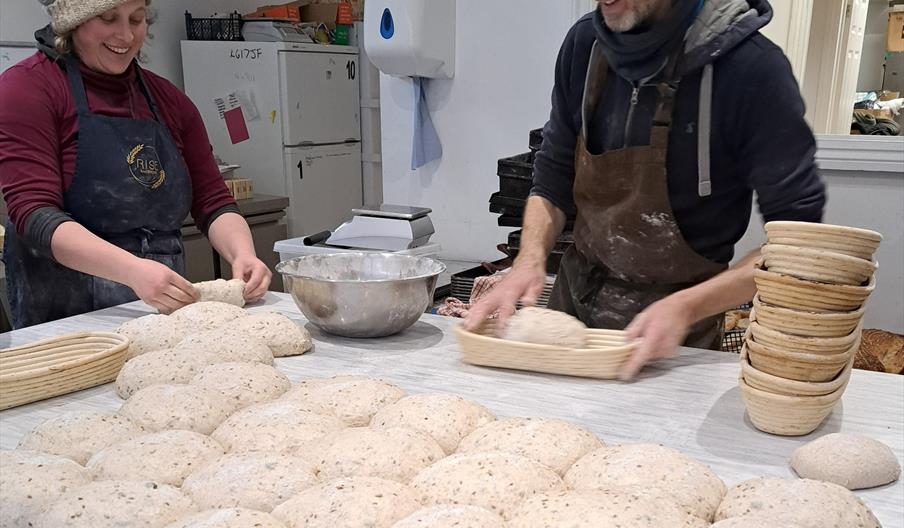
<point>258,204</point>
<point>690,403</point>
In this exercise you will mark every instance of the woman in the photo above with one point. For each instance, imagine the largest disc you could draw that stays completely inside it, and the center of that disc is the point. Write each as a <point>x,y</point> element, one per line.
<point>100,163</point>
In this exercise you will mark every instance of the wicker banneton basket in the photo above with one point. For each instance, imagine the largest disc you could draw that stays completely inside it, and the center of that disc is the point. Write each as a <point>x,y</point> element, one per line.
<point>786,291</point>
<point>860,243</point>
<point>779,385</point>
<point>607,351</point>
<point>805,323</point>
<point>787,415</point>
<point>798,365</point>
<point>817,264</point>
<point>794,343</point>
<point>59,365</point>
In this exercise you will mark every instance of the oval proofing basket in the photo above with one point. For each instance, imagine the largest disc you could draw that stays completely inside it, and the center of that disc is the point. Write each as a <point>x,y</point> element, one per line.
<point>607,351</point>
<point>59,365</point>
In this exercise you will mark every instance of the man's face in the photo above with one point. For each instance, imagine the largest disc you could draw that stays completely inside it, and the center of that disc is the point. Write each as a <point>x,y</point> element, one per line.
<point>625,15</point>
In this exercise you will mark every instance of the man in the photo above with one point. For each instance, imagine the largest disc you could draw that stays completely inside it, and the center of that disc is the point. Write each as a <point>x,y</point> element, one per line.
<point>666,116</point>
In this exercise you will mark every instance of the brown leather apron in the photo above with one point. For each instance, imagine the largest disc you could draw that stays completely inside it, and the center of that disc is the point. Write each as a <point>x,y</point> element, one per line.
<point>629,251</point>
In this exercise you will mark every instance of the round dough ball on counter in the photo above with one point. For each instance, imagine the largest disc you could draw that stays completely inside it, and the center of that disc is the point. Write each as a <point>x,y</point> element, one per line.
<point>229,518</point>
<point>29,481</point>
<point>499,482</point>
<point>554,443</point>
<point>451,516</point>
<point>166,457</point>
<point>543,326</point>
<point>259,481</point>
<point>651,467</point>
<point>281,426</point>
<point>242,384</point>
<point>150,333</point>
<point>162,367</point>
<point>352,399</point>
<point>393,453</point>
<point>207,315</point>
<point>808,503</point>
<point>284,336</point>
<point>80,434</point>
<point>224,291</point>
<point>355,502</point>
<point>188,407</point>
<point>593,509</point>
<point>849,460</point>
<point>446,417</point>
<point>228,347</point>
<point>115,503</point>
<point>756,521</point>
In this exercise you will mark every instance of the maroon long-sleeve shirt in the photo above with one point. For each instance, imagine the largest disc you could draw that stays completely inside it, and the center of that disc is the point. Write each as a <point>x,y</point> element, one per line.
<point>39,134</point>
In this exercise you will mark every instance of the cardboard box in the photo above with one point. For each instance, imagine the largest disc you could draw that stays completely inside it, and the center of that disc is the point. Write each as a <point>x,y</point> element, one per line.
<point>895,37</point>
<point>240,188</point>
<point>320,13</point>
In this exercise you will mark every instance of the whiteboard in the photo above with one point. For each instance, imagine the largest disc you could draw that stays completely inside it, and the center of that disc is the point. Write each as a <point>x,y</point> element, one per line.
<point>11,54</point>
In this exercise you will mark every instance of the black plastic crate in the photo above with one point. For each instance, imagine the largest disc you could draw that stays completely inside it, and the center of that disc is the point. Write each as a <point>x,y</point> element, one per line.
<point>520,166</point>
<point>228,28</point>
<point>509,211</point>
<point>507,220</point>
<point>500,198</point>
<point>563,242</point>
<point>536,139</point>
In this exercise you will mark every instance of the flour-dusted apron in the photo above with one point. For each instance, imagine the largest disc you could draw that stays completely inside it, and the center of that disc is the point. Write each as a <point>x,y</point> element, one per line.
<point>628,251</point>
<point>130,187</point>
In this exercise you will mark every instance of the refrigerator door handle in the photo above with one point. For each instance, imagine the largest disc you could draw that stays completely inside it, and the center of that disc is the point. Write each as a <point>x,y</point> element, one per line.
<point>301,170</point>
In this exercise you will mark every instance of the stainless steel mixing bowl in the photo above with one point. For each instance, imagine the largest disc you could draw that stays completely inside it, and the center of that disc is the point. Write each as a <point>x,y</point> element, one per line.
<point>361,294</point>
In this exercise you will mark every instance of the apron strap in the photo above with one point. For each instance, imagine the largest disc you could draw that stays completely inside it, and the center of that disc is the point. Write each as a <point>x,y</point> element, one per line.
<point>81,96</point>
<point>152,103</point>
<point>594,83</point>
<point>704,132</point>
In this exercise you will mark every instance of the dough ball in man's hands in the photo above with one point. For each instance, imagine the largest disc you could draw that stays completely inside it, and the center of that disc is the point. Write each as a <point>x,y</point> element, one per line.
<point>546,327</point>
<point>225,291</point>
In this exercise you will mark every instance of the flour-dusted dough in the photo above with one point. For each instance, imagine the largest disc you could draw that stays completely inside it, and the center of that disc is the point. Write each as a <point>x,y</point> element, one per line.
<point>227,346</point>
<point>116,504</point>
<point>281,426</point>
<point>652,467</point>
<point>757,521</point>
<point>496,481</point>
<point>79,434</point>
<point>546,327</point>
<point>162,367</point>
<point>356,502</point>
<point>554,443</point>
<point>229,518</point>
<point>207,315</point>
<point>451,516</point>
<point>353,399</point>
<point>808,503</point>
<point>225,291</point>
<point>151,332</point>
<point>166,457</point>
<point>849,460</point>
<point>284,336</point>
<point>394,453</point>
<point>242,384</point>
<point>188,407</point>
<point>446,417</point>
<point>259,481</point>
<point>29,481</point>
<point>594,509</point>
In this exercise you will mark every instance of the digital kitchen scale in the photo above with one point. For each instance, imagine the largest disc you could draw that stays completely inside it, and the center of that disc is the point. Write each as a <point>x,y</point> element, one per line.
<point>385,227</point>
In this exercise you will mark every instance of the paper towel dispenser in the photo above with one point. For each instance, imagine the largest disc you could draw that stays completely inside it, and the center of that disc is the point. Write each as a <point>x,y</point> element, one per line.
<point>411,38</point>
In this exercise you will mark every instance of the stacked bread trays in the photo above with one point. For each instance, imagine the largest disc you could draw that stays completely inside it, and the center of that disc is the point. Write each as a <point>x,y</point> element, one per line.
<point>812,283</point>
<point>59,365</point>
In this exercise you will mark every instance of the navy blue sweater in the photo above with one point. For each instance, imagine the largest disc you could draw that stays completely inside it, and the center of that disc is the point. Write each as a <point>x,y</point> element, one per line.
<point>760,141</point>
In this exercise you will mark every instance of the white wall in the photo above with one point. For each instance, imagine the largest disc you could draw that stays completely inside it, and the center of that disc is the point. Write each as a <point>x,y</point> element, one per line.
<point>505,57</point>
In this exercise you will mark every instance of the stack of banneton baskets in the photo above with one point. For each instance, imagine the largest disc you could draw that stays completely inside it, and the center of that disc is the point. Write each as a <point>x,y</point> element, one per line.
<point>812,283</point>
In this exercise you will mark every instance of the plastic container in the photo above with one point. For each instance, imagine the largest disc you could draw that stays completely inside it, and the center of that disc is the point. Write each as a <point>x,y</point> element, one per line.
<point>536,139</point>
<point>516,175</point>
<point>295,247</point>
<point>228,28</point>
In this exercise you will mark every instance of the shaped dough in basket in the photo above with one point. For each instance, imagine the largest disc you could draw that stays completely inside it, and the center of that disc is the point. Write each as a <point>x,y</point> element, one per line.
<point>546,327</point>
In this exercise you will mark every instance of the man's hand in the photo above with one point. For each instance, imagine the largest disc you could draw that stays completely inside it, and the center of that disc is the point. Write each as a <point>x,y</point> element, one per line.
<point>659,331</point>
<point>255,273</point>
<point>523,283</point>
<point>159,286</point>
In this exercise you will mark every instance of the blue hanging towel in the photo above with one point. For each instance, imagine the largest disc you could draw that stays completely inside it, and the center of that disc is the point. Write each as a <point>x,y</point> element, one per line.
<point>425,145</point>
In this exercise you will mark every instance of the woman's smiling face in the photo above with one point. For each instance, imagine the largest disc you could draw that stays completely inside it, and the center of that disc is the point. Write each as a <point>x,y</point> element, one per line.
<point>109,42</point>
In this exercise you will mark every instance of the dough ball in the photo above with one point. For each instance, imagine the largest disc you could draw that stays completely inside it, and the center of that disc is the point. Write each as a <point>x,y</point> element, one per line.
<point>393,453</point>
<point>166,457</point>
<point>114,503</point>
<point>224,291</point>
<point>543,326</point>
<point>80,434</point>
<point>356,502</point>
<point>809,503</point>
<point>259,481</point>
<point>162,367</point>
<point>281,426</point>
<point>151,332</point>
<point>207,315</point>
<point>757,521</point>
<point>29,481</point>
<point>496,481</point>
<point>227,346</point>
<point>451,516</point>
<point>229,518</point>
<point>445,417</point>
<point>284,336</point>
<point>650,467</point>
<point>188,407</point>
<point>242,384</point>
<point>852,461</point>
<point>554,443</point>
<point>352,399</point>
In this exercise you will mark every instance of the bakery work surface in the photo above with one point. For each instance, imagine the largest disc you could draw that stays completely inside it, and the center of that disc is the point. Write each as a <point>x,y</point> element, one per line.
<point>691,403</point>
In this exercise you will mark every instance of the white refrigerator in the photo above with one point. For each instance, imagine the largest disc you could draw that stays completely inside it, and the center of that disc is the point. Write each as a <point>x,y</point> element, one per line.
<point>298,129</point>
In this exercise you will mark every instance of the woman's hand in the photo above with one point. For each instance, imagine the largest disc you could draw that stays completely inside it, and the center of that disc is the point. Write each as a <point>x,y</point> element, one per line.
<point>255,273</point>
<point>159,286</point>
